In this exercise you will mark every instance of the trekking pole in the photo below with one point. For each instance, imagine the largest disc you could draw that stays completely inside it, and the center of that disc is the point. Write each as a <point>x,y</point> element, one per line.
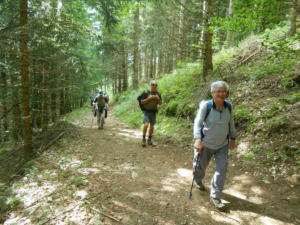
<point>194,169</point>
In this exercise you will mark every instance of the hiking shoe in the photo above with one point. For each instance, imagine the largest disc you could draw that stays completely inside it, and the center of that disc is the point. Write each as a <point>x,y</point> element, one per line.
<point>150,142</point>
<point>218,204</point>
<point>200,186</point>
<point>144,142</point>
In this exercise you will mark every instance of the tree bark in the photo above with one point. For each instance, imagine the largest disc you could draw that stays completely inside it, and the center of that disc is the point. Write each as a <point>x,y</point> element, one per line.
<point>4,105</point>
<point>207,42</point>
<point>181,45</point>
<point>294,14</point>
<point>124,68</point>
<point>25,78</point>
<point>229,35</point>
<point>136,53</point>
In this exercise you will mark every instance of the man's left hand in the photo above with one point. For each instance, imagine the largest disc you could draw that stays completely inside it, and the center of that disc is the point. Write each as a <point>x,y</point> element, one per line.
<point>232,144</point>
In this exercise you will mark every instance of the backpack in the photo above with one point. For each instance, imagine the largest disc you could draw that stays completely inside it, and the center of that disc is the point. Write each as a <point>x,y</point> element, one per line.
<point>209,106</point>
<point>101,101</point>
<point>142,107</point>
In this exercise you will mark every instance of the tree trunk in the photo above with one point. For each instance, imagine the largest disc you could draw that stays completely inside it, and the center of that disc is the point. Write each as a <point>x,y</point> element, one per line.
<point>160,60</point>
<point>294,15</point>
<point>136,53</point>
<point>16,131</point>
<point>151,63</point>
<point>4,106</point>
<point>25,78</point>
<point>207,42</point>
<point>181,45</point>
<point>44,100</point>
<point>146,67</point>
<point>124,68</point>
<point>229,36</point>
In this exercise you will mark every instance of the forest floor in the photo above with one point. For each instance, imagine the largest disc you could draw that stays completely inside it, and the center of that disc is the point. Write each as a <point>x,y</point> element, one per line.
<point>106,177</point>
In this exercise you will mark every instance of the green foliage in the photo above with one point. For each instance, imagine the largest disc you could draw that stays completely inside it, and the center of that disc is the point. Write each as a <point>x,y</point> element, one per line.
<point>274,110</point>
<point>291,99</point>
<point>277,123</point>
<point>77,114</point>
<point>242,114</point>
<point>77,181</point>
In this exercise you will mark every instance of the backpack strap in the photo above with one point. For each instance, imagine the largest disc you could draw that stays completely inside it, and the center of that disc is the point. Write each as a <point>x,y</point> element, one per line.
<point>209,105</point>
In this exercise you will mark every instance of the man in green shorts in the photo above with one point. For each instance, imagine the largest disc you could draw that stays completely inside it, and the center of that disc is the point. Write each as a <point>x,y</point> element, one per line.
<point>149,101</point>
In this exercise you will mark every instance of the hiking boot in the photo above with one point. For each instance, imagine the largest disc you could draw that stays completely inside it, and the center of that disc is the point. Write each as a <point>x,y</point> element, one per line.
<point>218,204</point>
<point>200,186</point>
<point>150,142</point>
<point>144,142</point>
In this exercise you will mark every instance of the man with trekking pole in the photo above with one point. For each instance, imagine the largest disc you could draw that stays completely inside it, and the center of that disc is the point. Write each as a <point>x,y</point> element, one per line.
<point>214,133</point>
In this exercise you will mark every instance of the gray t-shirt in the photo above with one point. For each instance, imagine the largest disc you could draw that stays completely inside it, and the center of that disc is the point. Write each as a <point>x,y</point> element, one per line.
<point>218,127</point>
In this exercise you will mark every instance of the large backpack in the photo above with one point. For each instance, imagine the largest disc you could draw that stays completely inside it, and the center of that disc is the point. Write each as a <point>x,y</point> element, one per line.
<point>101,101</point>
<point>209,106</point>
<point>139,98</point>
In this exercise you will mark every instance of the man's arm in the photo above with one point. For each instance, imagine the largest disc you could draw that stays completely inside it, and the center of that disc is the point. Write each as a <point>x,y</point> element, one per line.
<point>198,123</point>
<point>232,134</point>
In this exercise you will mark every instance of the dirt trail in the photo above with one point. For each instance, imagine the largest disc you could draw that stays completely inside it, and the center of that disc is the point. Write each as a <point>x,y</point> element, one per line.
<point>151,185</point>
<point>142,186</point>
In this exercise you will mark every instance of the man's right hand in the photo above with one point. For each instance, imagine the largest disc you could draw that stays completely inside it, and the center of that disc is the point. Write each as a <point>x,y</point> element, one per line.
<point>198,145</point>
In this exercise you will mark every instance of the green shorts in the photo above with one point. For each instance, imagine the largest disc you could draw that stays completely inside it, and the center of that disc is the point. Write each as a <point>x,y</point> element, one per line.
<point>149,117</point>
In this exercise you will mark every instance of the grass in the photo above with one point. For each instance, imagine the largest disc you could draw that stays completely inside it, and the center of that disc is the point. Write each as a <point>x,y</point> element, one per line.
<point>76,114</point>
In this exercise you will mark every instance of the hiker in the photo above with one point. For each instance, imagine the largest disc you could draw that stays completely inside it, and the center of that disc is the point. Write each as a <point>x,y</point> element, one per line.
<point>100,105</point>
<point>214,133</point>
<point>148,102</point>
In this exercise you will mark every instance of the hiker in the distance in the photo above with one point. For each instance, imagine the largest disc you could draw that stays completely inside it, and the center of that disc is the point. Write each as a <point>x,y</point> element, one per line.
<point>148,102</point>
<point>214,133</point>
<point>100,104</point>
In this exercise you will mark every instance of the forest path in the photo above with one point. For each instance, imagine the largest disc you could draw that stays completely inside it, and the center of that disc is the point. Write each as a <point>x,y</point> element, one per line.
<point>151,185</point>
<point>106,177</point>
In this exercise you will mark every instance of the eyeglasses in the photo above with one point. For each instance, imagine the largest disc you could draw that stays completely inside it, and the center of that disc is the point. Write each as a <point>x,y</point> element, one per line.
<point>155,85</point>
<point>221,92</point>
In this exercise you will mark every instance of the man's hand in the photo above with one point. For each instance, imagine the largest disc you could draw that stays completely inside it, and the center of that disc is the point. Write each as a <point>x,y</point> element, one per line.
<point>232,144</point>
<point>198,145</point>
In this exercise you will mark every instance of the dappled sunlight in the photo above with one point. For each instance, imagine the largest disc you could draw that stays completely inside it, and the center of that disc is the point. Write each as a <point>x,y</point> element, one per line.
<point>32,192</point>
<point>265,220</point>
<point>234,192</point>
<point>185,173</point>
<point>66,163</point>
<point>87,171</point>
<point>126,206</point>
<point>130,133</point>
<point>242,148</point>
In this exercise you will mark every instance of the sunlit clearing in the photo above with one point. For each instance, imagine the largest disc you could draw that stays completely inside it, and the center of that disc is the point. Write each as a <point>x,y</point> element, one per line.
<point>184,172</point>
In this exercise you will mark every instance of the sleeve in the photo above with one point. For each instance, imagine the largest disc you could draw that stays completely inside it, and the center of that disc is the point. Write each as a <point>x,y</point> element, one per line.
<point>95,99</point>
<point>159,95</point>
<point>198,123</point>
<point>232,132</point>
